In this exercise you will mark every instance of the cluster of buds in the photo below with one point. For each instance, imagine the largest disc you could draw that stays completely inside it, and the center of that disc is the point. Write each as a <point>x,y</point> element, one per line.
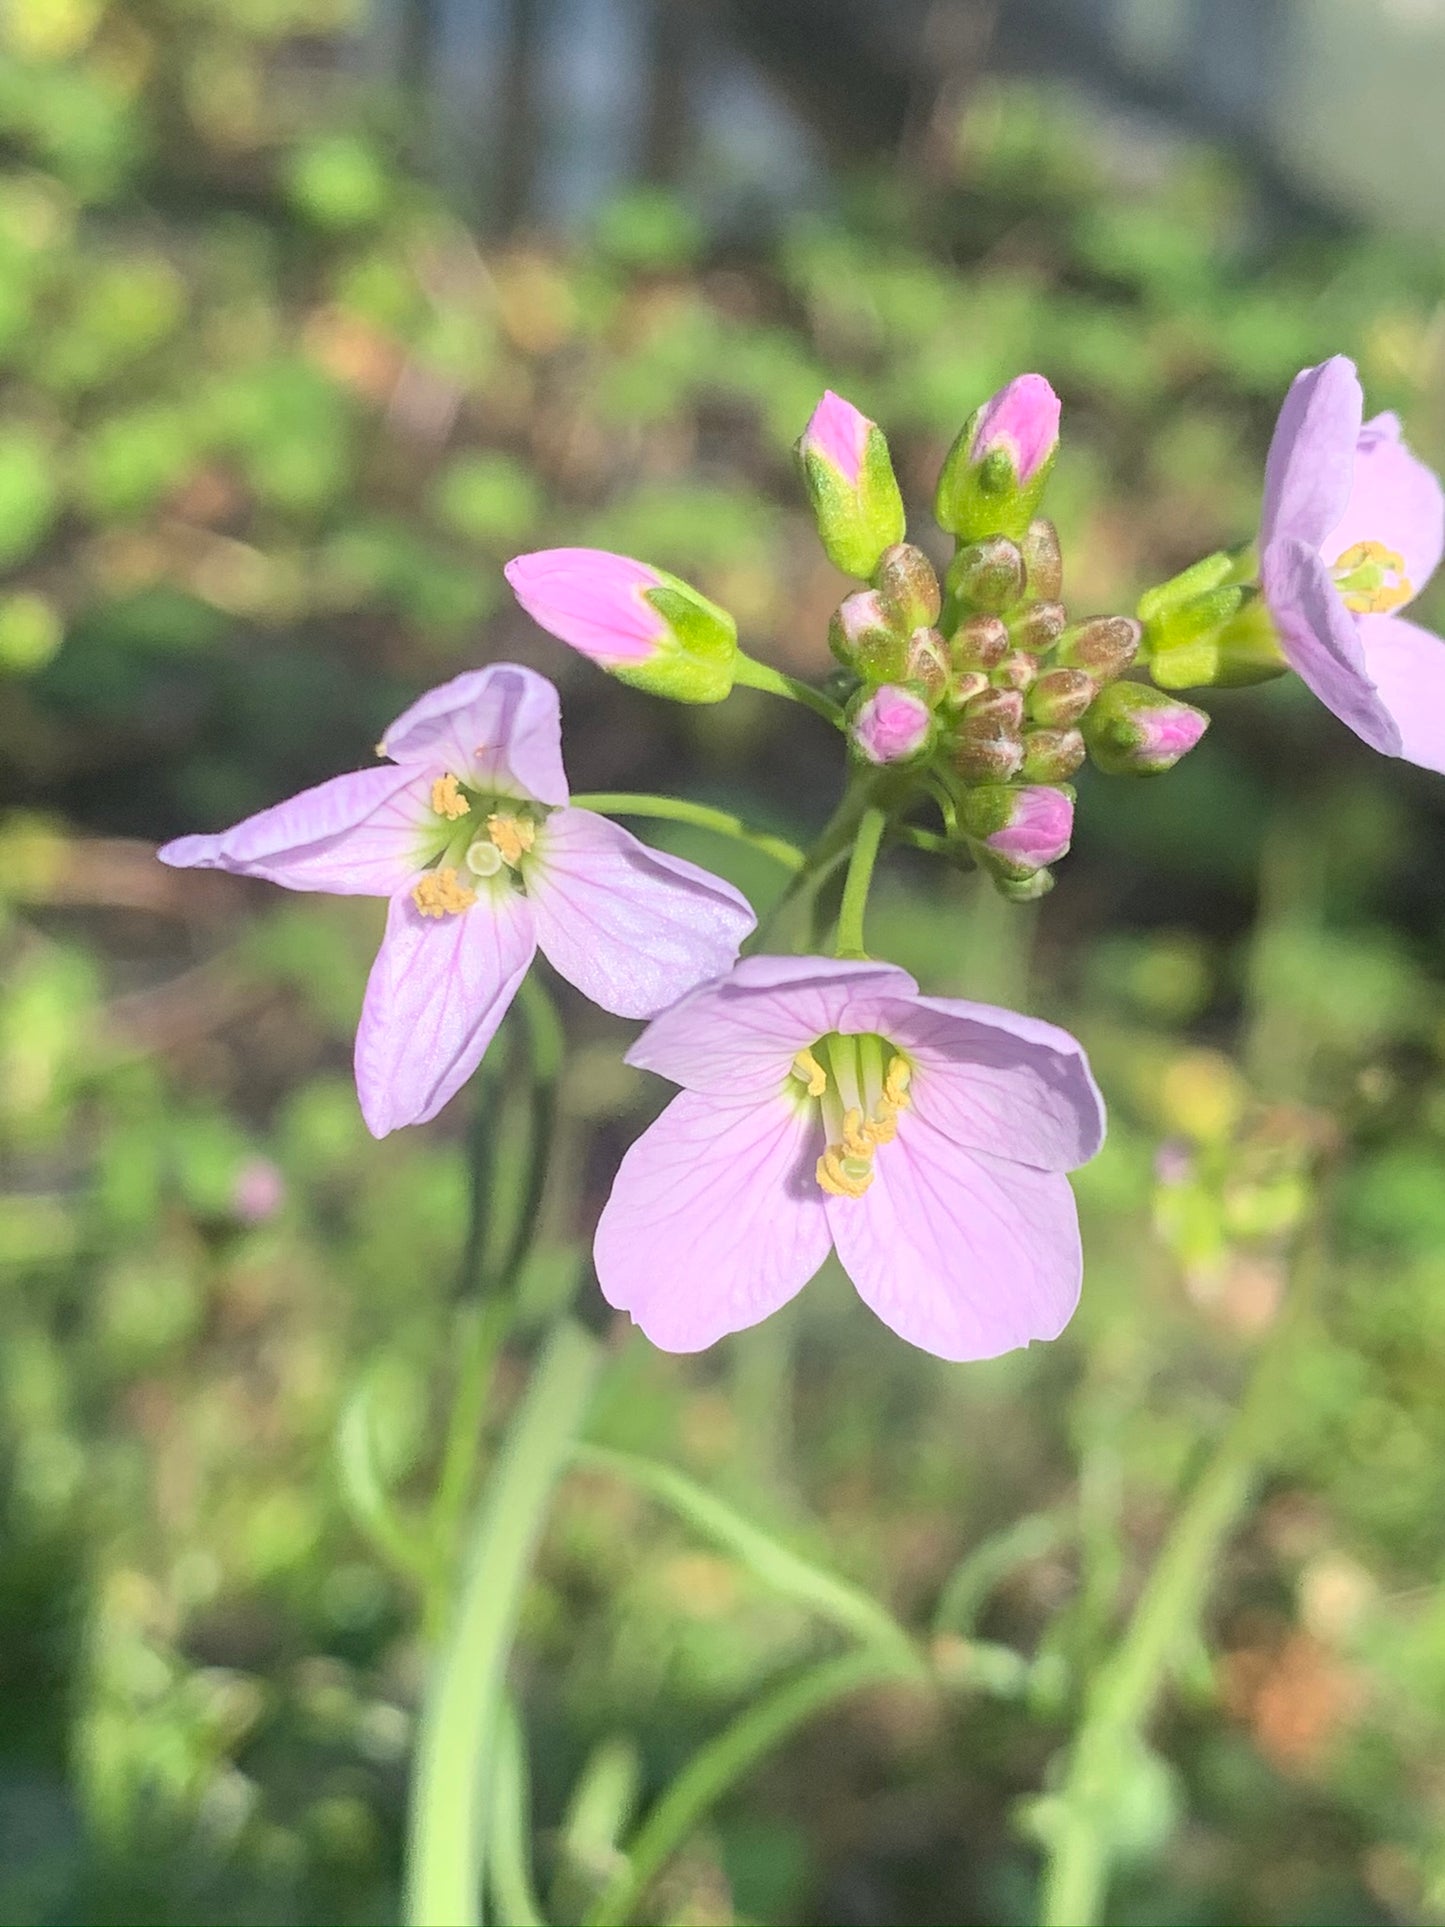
<point>981,680</point>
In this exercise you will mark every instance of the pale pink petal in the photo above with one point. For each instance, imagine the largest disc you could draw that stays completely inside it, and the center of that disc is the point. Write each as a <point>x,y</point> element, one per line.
<point>497,729</point>
<point>1311,461</point>
<point>633,928</point>
<point>740,1035</point>
<point>714,1219</point>
<point>1321,641</point>
<point>963,1254</point>
<point>1023,419</point>
<point>991,1080</point>
<point>439,988</point>
<point>1408,667</point>
<point>592,600</point>
<point>838,433</point>
<point>358,835</point>
<point>1395,501</point>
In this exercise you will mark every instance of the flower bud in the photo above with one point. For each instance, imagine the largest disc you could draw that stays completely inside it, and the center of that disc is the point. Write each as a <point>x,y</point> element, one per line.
<point>1052,755</point>
<point>891,725</point>
<point>1223,639</point>
<point>995,472</point>
<point>640,624</point>
<point>988,575</point>
<point>1061,696</point>
<point>926,664</point>
<point>906,581</point>
<point>1001,707</point>
<point>1043,558</point>
<point>1103,647</point>
<point>1016,671</point>
<point>1038,626</point>
<point>987,746</point>
<point>980,643</point>
<point>1025,889</point>
<point>863,636</point>
<point>1018,831</point>
<point>1133,730</point>
<point>963,686</point>
<point>850,482</point>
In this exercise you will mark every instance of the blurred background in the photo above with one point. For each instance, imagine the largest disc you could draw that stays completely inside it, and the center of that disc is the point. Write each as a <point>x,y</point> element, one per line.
<point>311,313</point>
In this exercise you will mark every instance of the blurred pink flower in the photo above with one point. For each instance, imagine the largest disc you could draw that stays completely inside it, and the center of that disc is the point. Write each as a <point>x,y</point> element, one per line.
<point>1023,420</point>
<point>259,1191</point>
<point>828,1104</point>
<point>1353,527</point>
<point>468,832</point>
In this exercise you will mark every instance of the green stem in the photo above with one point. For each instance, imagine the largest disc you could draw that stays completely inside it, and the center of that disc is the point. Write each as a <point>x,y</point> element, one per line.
<point>453,1779</point>
<point>723,1761</point>
<point>860,876</point>
<point>826,851</point>
<point>513,1891</point>
<point>676,809</point>
<point>760,675</point>
<point>979,1571</point>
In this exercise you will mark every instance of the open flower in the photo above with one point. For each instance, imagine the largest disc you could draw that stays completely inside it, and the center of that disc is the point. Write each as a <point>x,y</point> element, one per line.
<point>828,1104</point>
<point>468,832</point>
<point>1353,527</point>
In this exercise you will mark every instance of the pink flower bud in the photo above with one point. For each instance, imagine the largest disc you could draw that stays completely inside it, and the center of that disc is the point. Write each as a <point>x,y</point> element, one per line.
<point>892,726</point>
<point>993,477</point>
<point>259,1191</point>
<point>1022,420</point>
<point>1133,730</point>
<point>837,433</point>
<point>844,462</point>
<point>1019,831</point>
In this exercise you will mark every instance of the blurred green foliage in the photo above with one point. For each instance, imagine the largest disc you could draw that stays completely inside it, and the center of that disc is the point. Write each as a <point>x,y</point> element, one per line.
<point>271,418</point>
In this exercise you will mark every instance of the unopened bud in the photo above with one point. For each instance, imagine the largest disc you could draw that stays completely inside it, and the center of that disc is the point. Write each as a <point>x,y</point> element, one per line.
<point>906,581</point>
<point>980,643</point>
<point>1018,831</point>
<point>1003,707</point>
<point>1043,558</point>
<point>988,746</point>
<point>1052,755</point>
<point>1103,647</point>
<point>1061,696</point>
<point>926,664</point>
<point>891,725</point>
<point>995,472</point>
<point>1133,730</point>
<point>1016,671</point>
<point>964,685</point>
<point>988,575</point>
<point>850,482</point>
<point>1038,626</point>
<point>863,637</point>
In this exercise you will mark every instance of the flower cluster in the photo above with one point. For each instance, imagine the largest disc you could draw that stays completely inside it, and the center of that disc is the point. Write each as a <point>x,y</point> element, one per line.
<point>825,1104</point>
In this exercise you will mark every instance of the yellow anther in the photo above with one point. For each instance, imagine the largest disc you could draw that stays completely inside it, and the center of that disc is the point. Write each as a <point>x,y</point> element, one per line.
<point>381,749</point>
<point>1363,574</point>
<point>882,1127</point>
<point>513,836</point>
<point>856,1142</point>
<point>447,800</point>
<point>896,1082</point>
<point>440,894</point>
<point>844,1177</point>
<point>810,1073</point>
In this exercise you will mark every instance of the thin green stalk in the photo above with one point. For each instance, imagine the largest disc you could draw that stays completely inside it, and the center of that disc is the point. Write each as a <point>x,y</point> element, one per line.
<point>989,1563</point>
<point>860,877</point>
<point>823,855</point>
<point>675,809</point>
<point>726,1759</point>
<point>514,1895</point>
<point>453,1779</point>
<point>760,675</point>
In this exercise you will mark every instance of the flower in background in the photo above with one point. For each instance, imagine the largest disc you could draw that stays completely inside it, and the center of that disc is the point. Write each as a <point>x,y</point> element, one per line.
<point>828,1104</point>
<point>643,626</point>
<point>468,832</point>
<point>1353,527</point>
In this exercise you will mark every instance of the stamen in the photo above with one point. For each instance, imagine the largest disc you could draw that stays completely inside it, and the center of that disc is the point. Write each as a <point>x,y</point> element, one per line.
<point>513,836</point>
<point>447,800</point>
<point>843,1177</point>
<point>810,1073</point>
<point>439,894</point>
<point>895,1084</point>
<point>1362,576</point>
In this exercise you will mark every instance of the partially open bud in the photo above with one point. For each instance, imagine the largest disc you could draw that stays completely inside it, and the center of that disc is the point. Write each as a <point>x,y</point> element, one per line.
<point>988,575</point>
<point>850,482</point>
<point>864,636</point>
<point>906,581</point>
<point>1038,626</point>
<point>891,725</point>
<point>1052,755</point>
<point>1103,647</point>
<point>1133,730</point>
<point>640,624</point>
<point>1061,696</point>
<point>1043,558</point>
<point>1018,831</point>
<point>995,472</point>
<point>981,642</point>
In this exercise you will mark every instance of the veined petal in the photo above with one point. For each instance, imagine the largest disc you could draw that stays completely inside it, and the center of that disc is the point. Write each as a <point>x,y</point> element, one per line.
<point>1395,501</point>
<point>714,1219</point>
<point>991,1080</point>
<point>498,729</point>
<point>632,928</point>
<point>1407,665</point>
<point>962,1253</point>
<point>1311,461</point>
<point>739,1035</point>
<point>439,988</point>
<point>357,835</point>
<point>1321,641</point>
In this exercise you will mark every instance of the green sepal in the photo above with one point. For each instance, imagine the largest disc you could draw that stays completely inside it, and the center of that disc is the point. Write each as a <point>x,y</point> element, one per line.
<point>856,524</point>
<point>698,662</point>
<point>976,499</point>
<point>1223,639</point>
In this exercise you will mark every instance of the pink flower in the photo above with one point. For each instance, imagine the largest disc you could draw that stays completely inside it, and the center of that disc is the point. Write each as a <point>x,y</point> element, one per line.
<point>259,1191</point>
<point>1353,528</point>
<point>892,725</point>
<point>1025,828</point>
<point>837,433</point>
<point>1132,730</point>
<point>468,832</point>
<point>828,1105</point>
<point>1023,420</point>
